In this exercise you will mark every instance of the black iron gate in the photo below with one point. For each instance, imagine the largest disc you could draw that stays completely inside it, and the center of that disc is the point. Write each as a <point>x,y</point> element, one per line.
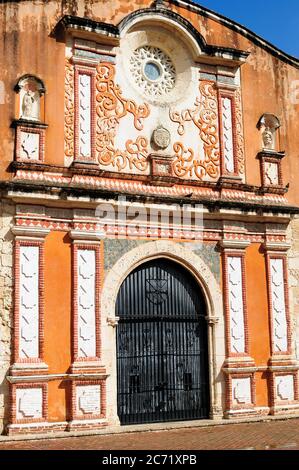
<point>162,351</point>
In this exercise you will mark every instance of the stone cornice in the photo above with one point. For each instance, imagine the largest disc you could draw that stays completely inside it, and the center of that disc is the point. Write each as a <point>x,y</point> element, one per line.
<point>44,192</point>
<point>30,232</point>
<point>86,25</point>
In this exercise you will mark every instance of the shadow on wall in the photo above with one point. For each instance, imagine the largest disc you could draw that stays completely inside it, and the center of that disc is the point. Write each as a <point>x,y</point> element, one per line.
<point>4,399</point>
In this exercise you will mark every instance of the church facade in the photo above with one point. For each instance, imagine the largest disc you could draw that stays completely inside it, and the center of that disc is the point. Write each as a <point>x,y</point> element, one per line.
<point>149,230</point>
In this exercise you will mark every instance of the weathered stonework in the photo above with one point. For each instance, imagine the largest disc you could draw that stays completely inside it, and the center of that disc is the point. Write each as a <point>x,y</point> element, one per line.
<point>115,249</point>
<point>6,283</point>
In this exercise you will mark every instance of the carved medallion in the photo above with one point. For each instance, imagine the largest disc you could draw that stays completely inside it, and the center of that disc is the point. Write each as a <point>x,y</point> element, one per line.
<point>161,137</point>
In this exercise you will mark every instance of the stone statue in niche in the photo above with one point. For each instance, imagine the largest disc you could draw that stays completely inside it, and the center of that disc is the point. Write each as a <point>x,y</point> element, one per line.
<point>268,126</point>
<point>30,89</point>
<point>28,111</point>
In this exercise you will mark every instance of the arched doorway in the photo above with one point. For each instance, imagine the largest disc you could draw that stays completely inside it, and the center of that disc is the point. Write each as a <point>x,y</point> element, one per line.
<point>162,347</point>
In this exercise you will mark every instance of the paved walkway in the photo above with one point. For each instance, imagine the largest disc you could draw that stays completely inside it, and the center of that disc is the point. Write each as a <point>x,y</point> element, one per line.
<point>273,435</point>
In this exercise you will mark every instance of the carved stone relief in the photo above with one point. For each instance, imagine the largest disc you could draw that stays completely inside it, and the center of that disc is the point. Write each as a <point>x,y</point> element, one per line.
<point>241,391</point>
<point>111,107</point>
<point>69,118</point>
<point>285,387</point>
<point>86,304</point>
<point>29,302</point>
<point>30,90</point>
<point>153,71</point>
<point>236,313</point>
<point>84,115</point>
<point>227,134</point>
<point>161,138</point>
<point>204,116</point>
<point>280,339</point>
<point>29,148</point>
<point>29,403</point>
<point>271,173</point>
<point>88,399</point>
<point>268,126</point>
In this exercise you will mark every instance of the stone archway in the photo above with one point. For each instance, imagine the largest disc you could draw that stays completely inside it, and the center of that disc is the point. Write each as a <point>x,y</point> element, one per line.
<point>211,290</point>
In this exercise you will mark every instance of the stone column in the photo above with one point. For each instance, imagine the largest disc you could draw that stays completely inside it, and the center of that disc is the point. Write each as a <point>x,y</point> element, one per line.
<point>88,387</point>
<point>239,367</point>
<point>282,364</point>
<point>28,397</point>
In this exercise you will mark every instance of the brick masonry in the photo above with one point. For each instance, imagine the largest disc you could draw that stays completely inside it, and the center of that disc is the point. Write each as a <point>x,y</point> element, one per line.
<point>7,211</point>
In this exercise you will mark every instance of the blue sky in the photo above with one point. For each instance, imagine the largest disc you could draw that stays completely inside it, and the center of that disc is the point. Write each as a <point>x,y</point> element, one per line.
<point>275,20</point>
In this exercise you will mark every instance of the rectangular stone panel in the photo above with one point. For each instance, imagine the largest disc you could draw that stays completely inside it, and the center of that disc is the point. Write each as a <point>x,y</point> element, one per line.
<point>29,302</point>
<point>279,319</point>
<point>86,303</point>
<point>236,305</point>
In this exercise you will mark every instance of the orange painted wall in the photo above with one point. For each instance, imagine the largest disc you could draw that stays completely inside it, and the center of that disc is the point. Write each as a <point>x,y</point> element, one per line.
<point>258,316</point>
<point>57,317</point>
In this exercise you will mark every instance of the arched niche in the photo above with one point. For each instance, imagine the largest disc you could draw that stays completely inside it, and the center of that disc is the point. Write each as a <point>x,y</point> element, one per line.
<point>30,104</point>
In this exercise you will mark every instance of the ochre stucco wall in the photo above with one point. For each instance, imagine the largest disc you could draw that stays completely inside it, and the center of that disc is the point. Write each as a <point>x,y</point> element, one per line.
<point>258,316</point>
<point>57,318</point>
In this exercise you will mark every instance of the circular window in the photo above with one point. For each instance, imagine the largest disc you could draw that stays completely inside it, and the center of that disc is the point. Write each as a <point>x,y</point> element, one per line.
<point>153,71</point>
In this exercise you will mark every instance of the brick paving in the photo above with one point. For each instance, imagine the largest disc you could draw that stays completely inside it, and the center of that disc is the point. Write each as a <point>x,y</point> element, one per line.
<point>273,435</point>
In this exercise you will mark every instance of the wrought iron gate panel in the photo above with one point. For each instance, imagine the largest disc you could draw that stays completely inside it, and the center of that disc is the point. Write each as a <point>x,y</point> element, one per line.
<point>162,355</point>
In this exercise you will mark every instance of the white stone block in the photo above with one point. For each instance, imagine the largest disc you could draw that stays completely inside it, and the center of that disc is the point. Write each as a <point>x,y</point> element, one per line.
<point>86,303</point>
<point>279,319</point>
<point>29,403</point>
<point>284,387</point>
<point>29,302</point>
<point>88,399</point>
<point>236,308</point>
<point>241,391</point>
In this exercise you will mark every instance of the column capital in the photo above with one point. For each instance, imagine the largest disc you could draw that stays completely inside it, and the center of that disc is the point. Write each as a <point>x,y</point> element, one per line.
<point>36,233</point>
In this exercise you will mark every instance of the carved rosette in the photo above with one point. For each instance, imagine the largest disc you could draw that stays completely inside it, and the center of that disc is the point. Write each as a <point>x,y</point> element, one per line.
<point>110,109</point>
<point>69,119</point>
<point>204,116</point>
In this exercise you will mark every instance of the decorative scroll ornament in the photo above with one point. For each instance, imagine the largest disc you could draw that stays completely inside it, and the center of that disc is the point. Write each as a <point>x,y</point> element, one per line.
<point>69,110</point>
<point>205,117</point>
<point>111,107</point>
<point>152,71</point>
<point>239,133</point>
